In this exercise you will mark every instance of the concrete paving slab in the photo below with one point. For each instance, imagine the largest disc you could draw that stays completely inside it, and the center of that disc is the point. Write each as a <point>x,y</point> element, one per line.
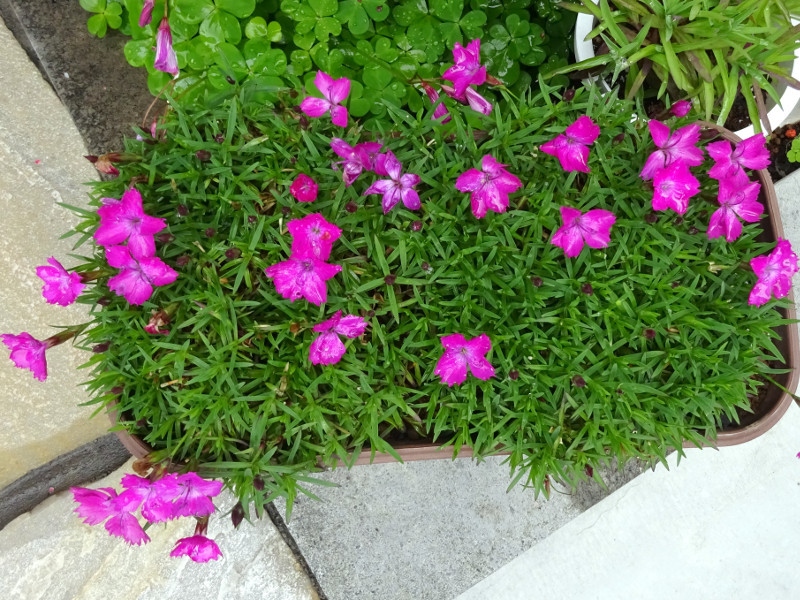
<point>423,530</point>
<point>42,164</point>
<point>50,554</point>
<point>722,525</point>
<point>102,92</point>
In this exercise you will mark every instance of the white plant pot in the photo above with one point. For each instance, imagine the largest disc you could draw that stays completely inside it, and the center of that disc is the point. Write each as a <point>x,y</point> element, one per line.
<point>784,113</point>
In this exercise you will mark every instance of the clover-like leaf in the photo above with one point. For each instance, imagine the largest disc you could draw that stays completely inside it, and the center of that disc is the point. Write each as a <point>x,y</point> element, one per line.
<point>238,8</point>
<point>139,52</point>
<point>299,62</point>
<point>447,10</point>
<point>221,26</point>
<point>95,6</point>
<point>376,77</point>
<point>97,25</point>
<point>191,11</point>
<point>410,12</point>
<point>256,27</point>
<point>378,10</point>
<point>324,8</point>
<point>327,27</point>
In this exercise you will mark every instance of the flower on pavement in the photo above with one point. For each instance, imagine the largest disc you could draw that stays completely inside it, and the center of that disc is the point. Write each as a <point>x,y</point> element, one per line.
<point>60,286</point>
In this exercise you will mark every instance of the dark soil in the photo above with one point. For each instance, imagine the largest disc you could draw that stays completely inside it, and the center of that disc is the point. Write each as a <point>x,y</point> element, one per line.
<point>779,143</point>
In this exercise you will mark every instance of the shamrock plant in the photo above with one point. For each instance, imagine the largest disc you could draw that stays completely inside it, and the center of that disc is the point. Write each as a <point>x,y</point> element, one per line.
<point>383,48</point>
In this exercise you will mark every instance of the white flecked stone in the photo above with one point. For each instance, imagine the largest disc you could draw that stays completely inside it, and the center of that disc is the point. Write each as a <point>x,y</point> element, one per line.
<point>50,554</point>
<point>41,420</point>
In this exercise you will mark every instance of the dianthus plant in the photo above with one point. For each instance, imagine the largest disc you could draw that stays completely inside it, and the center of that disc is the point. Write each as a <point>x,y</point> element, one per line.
<point>621,337</point>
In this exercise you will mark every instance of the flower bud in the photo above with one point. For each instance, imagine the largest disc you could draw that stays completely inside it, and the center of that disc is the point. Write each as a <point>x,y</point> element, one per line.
<point>513,375</point>
<point>416,225</point>
<point>210,232</point>
<point>651,218</point>
<point>578,381</point>
<point>649,333</point>
<point>569,94</point>
<point>258,483</point>
<point>232,253</point>
<point>237,514</point>
<point>351,207</point>
<point>536,281</point>
<point>183,210</point>
<point>587,289</point>
<point>389,279</point>
<point>203,155</point>
<point>182,261</point>
<point>219,138</point>
<point>100,348</point>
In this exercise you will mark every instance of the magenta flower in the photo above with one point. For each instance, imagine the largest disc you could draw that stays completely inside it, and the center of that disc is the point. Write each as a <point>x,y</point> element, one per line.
<point>60,286</point>
<point>372,151</point>
<point>155,498</point>
<point>94,506</point>
<point>356,159</point>
<point>460,353</point>
<point>738,198</point>
<point>774,273</point>
<point>302,277</point>
<point>313,237</point>
<point>489,188</point>
<point>433,96</point>
<point>194,496</point>
<point>592,228</point>
<point>334,92</point>
<point>125,525</point>
<point>467,69</point>
<point>126,220</point>
<point>673,187</point>
<point>166,60</point>
<point>304,189</point>
<point>681,108</point>
<point>571,147</point>
<point>751,153</point>
<point>147,13</point>
<point>676,147</point>
<point>138,277</point>
<point>27,353</point>
<point>197,547</point>
<point>476,102</point>
<point>399,187</point>
<point>327,348</point>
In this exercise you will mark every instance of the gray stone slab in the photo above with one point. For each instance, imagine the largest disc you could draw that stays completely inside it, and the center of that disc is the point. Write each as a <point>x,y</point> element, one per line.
<point>42,166</point>
<point>424,530</point>
<point>103,93</point>
<point>49,554</point>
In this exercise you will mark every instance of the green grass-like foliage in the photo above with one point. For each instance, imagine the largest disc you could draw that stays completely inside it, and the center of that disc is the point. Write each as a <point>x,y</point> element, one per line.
<point>230,390</point>
<point>706,50</point>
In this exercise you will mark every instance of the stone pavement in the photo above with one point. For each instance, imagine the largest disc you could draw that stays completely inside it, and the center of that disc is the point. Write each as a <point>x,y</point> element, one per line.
<point>50,554</point>
<point>42,165</point>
